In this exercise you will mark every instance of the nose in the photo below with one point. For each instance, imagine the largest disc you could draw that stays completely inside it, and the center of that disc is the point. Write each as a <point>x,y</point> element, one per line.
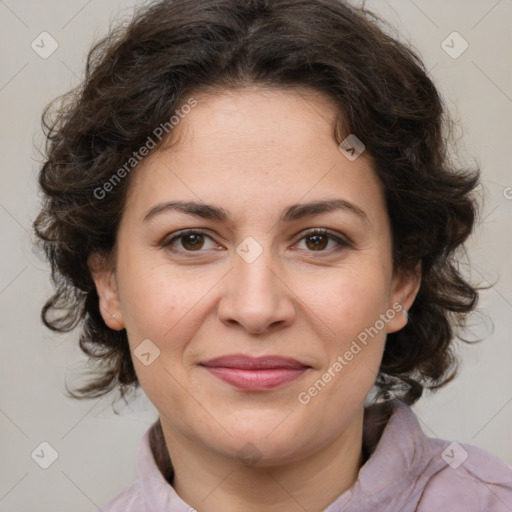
<point>256,297</point>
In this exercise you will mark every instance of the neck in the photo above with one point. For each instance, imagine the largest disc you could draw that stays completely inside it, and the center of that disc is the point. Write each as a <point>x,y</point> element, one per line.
<point>211,482</point>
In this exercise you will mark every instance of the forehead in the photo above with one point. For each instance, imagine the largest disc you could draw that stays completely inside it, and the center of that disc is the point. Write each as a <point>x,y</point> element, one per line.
<point>252,147</point>
<point>256,120</point>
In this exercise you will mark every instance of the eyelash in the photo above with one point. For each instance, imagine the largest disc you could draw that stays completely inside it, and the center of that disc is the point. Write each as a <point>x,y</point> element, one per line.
<point>342,242</point>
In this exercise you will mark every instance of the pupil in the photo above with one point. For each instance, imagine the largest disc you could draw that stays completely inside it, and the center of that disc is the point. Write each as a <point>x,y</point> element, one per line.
<point>196,239</point>
<point>316,244</point>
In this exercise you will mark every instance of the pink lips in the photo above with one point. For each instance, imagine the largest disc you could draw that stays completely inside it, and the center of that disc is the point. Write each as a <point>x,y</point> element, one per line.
<point>255,373</point>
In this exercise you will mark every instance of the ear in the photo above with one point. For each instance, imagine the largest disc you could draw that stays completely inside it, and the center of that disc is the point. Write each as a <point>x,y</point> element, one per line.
<point>106,286</point>
<point>404,288</point>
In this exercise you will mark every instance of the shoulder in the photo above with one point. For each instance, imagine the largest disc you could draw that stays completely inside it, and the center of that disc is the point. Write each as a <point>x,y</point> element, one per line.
<point>130,499</point>
<point>409,471</point>
<point>470,480</point>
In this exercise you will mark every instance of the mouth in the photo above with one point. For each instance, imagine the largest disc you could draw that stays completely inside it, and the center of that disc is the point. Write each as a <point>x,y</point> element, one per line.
<point>255,373</point>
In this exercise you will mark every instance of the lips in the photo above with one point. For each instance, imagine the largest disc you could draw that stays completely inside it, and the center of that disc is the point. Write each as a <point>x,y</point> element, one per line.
<point>254,363</point>
<point>255,373</point>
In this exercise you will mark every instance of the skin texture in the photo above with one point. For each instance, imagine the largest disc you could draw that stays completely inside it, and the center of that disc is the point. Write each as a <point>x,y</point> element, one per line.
<point>253,152</point>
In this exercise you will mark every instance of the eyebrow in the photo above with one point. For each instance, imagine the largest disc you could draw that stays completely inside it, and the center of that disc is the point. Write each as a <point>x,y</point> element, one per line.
<point>292,213</point>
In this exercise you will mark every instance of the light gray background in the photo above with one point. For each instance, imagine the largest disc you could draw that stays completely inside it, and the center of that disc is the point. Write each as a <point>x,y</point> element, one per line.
<point>97,449</point>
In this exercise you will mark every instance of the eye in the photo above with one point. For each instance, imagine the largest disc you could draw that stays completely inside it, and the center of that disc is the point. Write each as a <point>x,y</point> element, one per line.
<point>317,240</point>
<point>190,241</point>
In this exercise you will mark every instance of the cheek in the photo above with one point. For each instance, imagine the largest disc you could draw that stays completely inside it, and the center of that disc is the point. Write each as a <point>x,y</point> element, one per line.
<point>353,359</point>
<point>352,301</point>
<point>351,306</point>
<point>157,303</point>
<point>168,310</point>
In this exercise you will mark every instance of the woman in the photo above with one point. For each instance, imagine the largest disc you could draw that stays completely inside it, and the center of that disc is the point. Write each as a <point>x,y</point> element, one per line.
<point>251,207</point>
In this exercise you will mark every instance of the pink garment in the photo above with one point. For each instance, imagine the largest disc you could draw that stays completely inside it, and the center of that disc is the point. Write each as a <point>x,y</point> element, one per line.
<point>406,471</point>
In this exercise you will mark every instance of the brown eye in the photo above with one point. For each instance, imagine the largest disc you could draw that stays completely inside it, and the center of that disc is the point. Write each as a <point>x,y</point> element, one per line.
<point>192,241</point>
<point>318,242</point>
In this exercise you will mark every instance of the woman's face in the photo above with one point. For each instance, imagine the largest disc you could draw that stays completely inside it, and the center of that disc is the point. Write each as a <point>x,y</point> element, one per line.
<point>256,281</point>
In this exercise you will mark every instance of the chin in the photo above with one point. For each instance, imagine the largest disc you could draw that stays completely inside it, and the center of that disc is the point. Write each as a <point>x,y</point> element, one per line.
<point>270,441</point>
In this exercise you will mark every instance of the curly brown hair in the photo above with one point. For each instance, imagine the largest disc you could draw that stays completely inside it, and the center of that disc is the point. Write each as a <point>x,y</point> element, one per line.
<point>144,70</point>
